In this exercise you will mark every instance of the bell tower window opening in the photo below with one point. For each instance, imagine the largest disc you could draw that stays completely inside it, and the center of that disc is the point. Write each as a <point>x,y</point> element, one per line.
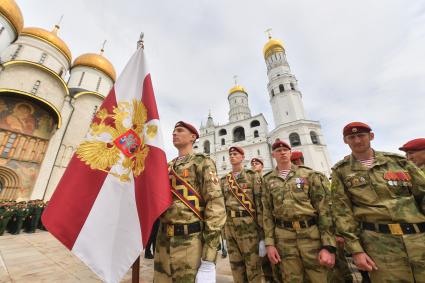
<point>238,134</point>
<point>222,132</point>
<point>314,137</point>
<point>292,86</point>
<point>294,139</point>
<point>281,88</point>
<point>256,135</point>
<point>255,123</point>
<point>223,142</point>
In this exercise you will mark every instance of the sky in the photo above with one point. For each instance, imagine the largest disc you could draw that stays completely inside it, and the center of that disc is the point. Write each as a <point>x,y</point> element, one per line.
<point>354,60</point>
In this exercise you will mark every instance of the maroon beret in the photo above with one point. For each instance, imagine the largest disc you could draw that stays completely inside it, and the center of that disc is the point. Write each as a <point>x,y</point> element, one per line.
<point>278,143</point>
<point>236,148</point>
<point>296,155</point>
<point>257,160</point>
<point>356,128</point>
<point>414,145</point>
<point>188,126</point>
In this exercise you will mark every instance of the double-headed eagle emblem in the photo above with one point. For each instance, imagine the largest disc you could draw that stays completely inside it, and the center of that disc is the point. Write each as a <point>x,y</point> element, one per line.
<point>115,143</point>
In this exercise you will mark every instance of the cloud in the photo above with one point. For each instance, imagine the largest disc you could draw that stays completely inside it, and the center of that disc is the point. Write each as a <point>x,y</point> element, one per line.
<point>359,60</point>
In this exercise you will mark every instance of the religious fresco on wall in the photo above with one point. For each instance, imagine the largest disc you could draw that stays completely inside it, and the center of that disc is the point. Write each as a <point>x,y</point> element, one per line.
<point>27,173</point>
<point>20,116</point>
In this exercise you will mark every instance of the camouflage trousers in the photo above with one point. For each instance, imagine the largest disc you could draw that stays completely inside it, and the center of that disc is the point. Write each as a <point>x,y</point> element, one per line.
<point>272,273</point>
<point>242,243</point>
<point>341,271</point>
<point>399,258</point>
<point>298,250</point>
<point>177,258</point>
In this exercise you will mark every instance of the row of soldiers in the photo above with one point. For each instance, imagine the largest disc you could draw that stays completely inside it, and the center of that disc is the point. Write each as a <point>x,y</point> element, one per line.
<point>15,216</point>
<point>375,206</point>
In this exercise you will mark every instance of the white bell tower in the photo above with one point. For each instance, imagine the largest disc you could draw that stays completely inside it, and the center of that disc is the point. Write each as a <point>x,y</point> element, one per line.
<point>291,123</point>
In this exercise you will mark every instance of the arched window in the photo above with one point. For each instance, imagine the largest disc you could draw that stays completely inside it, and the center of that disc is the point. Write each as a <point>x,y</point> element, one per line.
<point>222,132</point>
<point>238,134</point>
<point>272,92</point>
<point>292,86</point>
<point>281,88</point>
<point>255,123</point>
<point>207,147</point>
<point>294,139</point>
<point>256,135</point>
<point>223,142</point>
<point>314,137</point>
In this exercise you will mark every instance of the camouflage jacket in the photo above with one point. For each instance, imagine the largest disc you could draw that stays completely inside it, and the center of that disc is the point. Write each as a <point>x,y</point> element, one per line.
<point>368,194</point>
<point>303,195</point>
<point>250,183</point>
<point>200,172</point>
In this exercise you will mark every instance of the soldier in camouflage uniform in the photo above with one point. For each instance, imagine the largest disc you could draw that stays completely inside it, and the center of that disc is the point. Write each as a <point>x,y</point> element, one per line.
<point>189,232</point>
<point>243,229</point>
<point>297,219</point>
<point>272,273</point>
<point>415,152</point>
<point>379,209</point>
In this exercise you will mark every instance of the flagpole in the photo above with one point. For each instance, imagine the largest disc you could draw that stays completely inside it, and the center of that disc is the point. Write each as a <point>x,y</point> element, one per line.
<point>135,271</point>
<point>135,268</point>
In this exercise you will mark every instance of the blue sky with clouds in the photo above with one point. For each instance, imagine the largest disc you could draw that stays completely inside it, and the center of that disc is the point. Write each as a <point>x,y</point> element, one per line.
<point>354,60</point>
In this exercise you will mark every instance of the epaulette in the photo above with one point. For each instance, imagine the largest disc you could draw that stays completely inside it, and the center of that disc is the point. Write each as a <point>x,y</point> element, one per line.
<point>392,154</point>
<point>305,167</point>
<point>339,163</point>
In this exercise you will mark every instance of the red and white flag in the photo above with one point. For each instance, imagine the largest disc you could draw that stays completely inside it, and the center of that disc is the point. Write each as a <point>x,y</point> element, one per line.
<point>116,185</point>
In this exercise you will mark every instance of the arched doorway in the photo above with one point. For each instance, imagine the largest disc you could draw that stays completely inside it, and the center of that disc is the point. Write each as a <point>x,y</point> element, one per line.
<point>10,183</point>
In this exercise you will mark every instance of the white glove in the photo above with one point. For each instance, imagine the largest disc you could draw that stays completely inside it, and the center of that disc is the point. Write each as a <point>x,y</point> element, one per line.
<point>206,272</point>
<point>262,249</point>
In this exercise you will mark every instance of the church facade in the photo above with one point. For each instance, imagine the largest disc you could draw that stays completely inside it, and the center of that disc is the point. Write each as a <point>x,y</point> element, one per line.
<point>252,133</point>
<point>47,101</point>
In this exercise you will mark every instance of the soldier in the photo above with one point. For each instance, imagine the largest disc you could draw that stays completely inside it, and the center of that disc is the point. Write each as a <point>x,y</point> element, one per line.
<point>379,209</point>
<point>243,229</point>
<point>297,158</point>
<point>297,219</point>
<point>271,272</point>
<point>20,214</point>
<point>415,152</point>
<point>189,232</point>
<point>6,212</point>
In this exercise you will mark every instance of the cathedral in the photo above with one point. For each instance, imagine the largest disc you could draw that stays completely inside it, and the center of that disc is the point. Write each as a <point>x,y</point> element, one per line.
<point>251,131</point>
<point>47,101</point>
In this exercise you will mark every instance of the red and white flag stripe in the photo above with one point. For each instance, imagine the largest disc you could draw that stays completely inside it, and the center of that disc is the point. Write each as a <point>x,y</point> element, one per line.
<point>100,218</point>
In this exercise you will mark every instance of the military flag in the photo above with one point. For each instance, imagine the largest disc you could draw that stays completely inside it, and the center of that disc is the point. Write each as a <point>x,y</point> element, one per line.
<point>116,184</point>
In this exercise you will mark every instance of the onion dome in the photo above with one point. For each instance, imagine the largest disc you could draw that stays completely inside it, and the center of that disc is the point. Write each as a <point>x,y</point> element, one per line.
<point>96,61</point>
<point>49,37</point>
<point>272,46</point>
<point>237,88</point>
<point>10,10</point>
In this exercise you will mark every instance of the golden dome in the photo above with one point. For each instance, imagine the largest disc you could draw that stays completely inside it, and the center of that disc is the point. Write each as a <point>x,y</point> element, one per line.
<point>10,10</point>
<point>96,61</point>
<point>237,88</point>
<point>272,46</point>
<point>50,37</point>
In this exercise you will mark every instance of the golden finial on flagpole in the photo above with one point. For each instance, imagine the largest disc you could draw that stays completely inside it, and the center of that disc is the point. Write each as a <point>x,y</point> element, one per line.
<point>103,47</point>
<point>140,41</point>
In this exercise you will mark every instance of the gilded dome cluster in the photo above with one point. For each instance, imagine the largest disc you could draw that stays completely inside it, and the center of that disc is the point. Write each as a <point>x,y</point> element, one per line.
<point>272,46</point>
<point>237,88</point>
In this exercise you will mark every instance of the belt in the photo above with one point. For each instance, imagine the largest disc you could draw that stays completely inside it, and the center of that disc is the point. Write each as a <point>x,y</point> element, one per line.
<point>181,229</point>
<point>296,224</point>
<point>238,213</point>
<point>395,228</point>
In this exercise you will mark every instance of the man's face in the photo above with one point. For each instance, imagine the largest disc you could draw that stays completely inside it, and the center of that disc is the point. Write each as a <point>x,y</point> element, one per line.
<point>417,157</point>
<point>256,166</point>
<point>182,137</point>
<point>236,158</point>
<point>359,143</point>
<point>282,155</point>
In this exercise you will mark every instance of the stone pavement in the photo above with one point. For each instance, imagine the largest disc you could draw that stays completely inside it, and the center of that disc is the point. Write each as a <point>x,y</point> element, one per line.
<point>39,257</point>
